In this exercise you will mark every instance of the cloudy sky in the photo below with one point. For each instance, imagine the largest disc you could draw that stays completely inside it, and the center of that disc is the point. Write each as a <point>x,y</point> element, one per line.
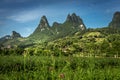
<point>23,16</point>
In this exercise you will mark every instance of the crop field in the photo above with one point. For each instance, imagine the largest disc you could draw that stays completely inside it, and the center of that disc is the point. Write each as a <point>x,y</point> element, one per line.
<point>58,68</point>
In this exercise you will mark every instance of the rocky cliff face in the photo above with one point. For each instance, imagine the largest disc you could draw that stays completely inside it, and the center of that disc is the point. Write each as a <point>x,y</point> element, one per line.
<point>15,35</point>
<point>115,23</point>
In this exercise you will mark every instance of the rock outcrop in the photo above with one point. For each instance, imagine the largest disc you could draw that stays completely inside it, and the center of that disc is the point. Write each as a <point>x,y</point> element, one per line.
<point>15,35</point>
<point>43,24</point>
<point>115,23</point>
<point>74,19</point>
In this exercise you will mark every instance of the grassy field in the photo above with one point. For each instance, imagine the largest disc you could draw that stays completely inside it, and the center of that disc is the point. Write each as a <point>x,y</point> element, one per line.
<point>58,68</point>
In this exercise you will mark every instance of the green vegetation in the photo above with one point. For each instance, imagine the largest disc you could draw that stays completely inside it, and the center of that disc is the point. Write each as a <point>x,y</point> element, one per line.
<point>93,55</point>
<point>65,51</point>
<point>58,68</point>
<point>91,43</point>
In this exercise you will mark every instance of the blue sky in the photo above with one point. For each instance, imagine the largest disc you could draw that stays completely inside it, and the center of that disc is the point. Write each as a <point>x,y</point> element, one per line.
<point>23,16</point>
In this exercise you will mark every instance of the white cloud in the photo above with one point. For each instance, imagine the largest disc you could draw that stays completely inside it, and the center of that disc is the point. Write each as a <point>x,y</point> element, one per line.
<point>25,16</point>
<point>30,15</point>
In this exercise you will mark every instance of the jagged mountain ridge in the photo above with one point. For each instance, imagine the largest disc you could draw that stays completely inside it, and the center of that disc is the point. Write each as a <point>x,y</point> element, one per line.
<point>46,32</point>
<point>74,19</point>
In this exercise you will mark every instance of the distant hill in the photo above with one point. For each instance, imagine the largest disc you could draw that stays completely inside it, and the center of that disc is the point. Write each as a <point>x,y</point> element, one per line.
<point>10,39</point>
<point>12,36</point>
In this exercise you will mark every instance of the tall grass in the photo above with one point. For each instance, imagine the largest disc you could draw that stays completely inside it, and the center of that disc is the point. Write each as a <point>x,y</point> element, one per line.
<point>58,68</point>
